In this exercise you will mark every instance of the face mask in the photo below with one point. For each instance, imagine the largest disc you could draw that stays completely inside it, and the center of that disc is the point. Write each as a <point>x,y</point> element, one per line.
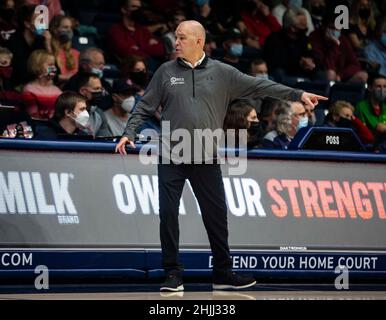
<point>139,78</point>
<point>296,3</point>
<point>263,76</point>
<point>301,32</point>
<point>138,16</point>
<point>318,11</point>
<point>6,72</point>
<point>236,50</point>
<point>38,31</point>
<point>65,36</point>
<point>96,98</point>
<point>333,33</point>
<point>82,119</point>
<point>51,71</point>
<point>200,3</point>
<point>344,123</point>
<point>97,72</point>
<point>364,13</point>
<point>256,128</point>
<point>383,39</point>
<point>128,104</point>
<point>380,95</point>
<point>303,122</point>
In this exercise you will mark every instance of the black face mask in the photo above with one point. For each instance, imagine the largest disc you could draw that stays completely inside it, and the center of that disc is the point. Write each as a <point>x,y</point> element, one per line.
<point>364,13</point>
<point>139,78</point>
<point>138,16</point>
<point>301,32</point>
<point>257,129</point>
<point>344,123</point>
<point>96,98</point>
<point>318,11</point>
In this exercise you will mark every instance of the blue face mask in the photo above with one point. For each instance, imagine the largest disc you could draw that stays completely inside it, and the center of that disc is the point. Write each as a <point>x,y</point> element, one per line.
<point>334,33</point>
<point>263,76</point>
<point>236,50</point>
<point>303,122</point>
<point>383,39</point>
<point>296,3</point>
<point>200,3</point>
<point>97,72</point>
<point>39,30</point>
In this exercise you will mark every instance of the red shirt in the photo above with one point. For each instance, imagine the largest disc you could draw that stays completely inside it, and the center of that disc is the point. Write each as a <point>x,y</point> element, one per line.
<point>260,26</point>
<point>124,42</point>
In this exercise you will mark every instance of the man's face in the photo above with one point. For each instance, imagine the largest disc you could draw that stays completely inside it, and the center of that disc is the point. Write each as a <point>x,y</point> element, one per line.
<point>259,69</point>
<point>131,6</point>
<point>298,112</point>
<point>97,61</point>
<point>94,85</point>
<point>79,107</point>
<point>378,84</point>
<point>187,44</point>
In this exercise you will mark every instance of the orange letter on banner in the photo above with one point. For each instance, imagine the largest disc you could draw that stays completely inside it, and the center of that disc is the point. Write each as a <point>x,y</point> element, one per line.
<point>344,199</point>
<point>376,188</point>
<point>326,199</point>
<point>310,198</point>
<point>367,211</point>
<point>281,209</point>
<point>291,185</point>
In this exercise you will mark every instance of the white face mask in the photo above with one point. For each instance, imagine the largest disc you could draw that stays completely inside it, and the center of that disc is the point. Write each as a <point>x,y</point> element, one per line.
<point>82,119</point>
<point>128,104</point>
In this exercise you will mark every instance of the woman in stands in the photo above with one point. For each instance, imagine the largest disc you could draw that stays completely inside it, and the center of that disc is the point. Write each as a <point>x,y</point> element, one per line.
<point>242,115</point>
<point>39,95</point>
<point>362,24</point>
<point>67,58</point>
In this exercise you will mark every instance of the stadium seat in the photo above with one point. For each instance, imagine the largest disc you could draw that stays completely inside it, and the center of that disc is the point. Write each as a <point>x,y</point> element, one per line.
<point>350,92</point>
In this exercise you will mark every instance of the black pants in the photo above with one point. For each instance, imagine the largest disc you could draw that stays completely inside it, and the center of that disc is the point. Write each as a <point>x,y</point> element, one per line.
<point>207,184</point>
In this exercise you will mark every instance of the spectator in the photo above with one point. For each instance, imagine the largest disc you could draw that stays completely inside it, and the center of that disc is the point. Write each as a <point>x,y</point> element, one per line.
<point>317,9</point>
<point>25,40</point>
<point>270,108</point>
<point>124,101</point>
<point>258,20</point>
<point>71,118</point>
<point>8,96</point>
<point>130,37</point>
<point>341,114</point>
<point>233,47</point>
<point>210,45</point>
<point>7,20</point>
<point>333,50</point>
<point>279,10</point>
<point>299,115</point>
<point>67,58</point>
<point>169,37</point>
<point>310,112</point>
<point>288,52</point>
<point>39,95</point>
<point>91,60</point>
<point>282,133</point>
<point>90,86</point>
<point>258,68</point>
<point>362,24</point>
<point>134,68</point>
<point>242,115</point>
<point>375,51</point>
<point>372,111</point>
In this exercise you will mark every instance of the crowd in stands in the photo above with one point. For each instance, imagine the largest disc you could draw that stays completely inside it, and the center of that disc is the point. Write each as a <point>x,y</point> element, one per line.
<point>81,75</point>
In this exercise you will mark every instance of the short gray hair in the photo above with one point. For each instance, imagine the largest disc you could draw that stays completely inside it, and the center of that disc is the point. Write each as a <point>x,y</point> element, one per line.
<point>85,55</point>
<point>290,16</point>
